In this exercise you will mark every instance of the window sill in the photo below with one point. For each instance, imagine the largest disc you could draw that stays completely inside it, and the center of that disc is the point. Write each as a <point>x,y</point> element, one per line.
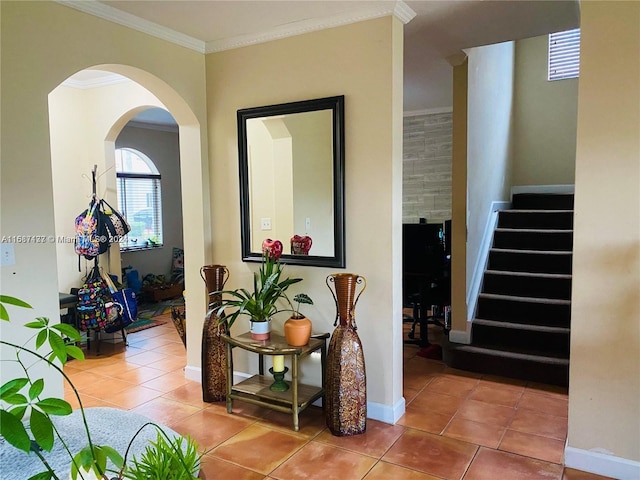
<point>139,249</point>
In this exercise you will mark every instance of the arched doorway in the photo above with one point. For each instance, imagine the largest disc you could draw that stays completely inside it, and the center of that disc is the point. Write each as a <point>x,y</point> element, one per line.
<point>84,125</point>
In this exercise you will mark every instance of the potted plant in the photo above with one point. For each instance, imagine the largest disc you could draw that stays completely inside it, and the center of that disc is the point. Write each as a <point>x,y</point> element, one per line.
<point>260,305</point>
<point>297,329</point>
<point>22,399</point>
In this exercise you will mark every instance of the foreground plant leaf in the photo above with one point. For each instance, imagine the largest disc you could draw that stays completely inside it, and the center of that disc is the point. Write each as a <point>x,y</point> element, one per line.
<point>14,432</point>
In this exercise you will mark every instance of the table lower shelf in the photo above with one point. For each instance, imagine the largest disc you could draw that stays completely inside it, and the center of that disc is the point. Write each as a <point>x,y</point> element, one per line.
<point>257,389</point>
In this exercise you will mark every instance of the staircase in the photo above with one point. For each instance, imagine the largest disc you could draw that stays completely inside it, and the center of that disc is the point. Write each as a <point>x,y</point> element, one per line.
<point>523,315</point>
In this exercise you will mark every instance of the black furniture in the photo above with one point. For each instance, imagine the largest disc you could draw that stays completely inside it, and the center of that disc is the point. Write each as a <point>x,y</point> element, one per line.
<point>426,278</point>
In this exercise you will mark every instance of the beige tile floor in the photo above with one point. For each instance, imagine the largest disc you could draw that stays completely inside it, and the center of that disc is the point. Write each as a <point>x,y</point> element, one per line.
<point>457,425</point>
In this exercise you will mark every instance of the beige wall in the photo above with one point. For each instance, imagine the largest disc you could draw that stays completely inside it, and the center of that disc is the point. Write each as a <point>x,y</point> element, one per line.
<point>545,119</point>
<point>43,43</point>
<point>459,200</point>
<point>320,64</point>
<point>604,390</point>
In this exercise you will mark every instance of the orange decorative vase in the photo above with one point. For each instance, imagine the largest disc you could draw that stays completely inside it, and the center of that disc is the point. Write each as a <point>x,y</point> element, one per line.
<point>297,331</point>
<point>214,354</point>
<point>346,387</point>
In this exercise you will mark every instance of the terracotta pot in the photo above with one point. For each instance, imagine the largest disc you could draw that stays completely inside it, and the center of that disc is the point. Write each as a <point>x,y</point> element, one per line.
<point>261,330</point>
<point>297,331</point>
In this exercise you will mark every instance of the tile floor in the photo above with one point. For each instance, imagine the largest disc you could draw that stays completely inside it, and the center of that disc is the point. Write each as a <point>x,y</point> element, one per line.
<point>457,425</point>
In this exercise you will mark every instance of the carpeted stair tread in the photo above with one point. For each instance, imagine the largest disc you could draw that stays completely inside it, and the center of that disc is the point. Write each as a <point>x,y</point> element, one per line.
<point>522,326</point>
<point>513,298</point>
<point>543,201</point>
<point>536,219</point>
<point>535,230</point>
<point>529,274</point>
<point>504,353</point>
<point>532,252</point>
<point>533,210</point>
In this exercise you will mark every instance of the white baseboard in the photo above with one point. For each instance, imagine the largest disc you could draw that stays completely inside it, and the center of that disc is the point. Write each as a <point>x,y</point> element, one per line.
<point>601,464</point>
<point>461,336</point>
<point>386,413</point>
<point>555,189</point>
<point>483,257</point>
<point>193,373</point>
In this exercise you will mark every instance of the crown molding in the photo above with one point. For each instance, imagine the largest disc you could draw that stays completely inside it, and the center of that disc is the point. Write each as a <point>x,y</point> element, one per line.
<point>104,81</point>
<point>398,9</point>
<point>114,15</point>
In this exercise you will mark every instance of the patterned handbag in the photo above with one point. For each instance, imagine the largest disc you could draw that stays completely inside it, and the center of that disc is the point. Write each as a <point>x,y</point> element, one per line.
<point>117,225</point>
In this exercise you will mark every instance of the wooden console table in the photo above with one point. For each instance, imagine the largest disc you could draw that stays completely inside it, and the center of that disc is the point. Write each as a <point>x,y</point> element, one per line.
<point>256,389</point>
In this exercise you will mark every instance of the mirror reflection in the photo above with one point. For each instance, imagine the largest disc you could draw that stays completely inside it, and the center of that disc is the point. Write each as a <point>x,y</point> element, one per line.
<point>291,173</point>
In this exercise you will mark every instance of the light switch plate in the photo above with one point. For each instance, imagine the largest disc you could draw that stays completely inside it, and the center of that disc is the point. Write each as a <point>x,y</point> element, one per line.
<point>7,255</point>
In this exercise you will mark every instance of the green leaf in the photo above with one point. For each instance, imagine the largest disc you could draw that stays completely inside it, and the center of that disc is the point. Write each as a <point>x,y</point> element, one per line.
<point>57,345</point>
<point>42,429</point>
<point>54,406</point>
<point>42,476</point>
<point>67,330</point>
<point>18,412</point>
<point>12,387</point>
<point>15,399</point>
<point>83,459</point>
<point>35,324</point>
<point>74,352</point>
<point>14,301</point>
<point>41,338</point>
<point>36,388</point>
<point>100,457</point>
<point>4,315</point>
<point>113,455</point>
<point>13,431</point>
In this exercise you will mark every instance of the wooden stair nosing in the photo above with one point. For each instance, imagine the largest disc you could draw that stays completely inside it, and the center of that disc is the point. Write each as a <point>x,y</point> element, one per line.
<point>513,298</point>
<point>567,276</point>
<point>521,326</point>
<point>514,355</point>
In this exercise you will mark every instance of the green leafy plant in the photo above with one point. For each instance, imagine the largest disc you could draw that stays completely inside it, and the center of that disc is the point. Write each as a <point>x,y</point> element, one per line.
<point>22,399</point>
<point>301,298</point>
<point>261,303</point>
<point>166,458</point>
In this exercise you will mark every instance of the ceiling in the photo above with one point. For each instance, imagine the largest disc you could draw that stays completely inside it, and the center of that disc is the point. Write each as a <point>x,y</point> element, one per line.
<point>440,29</point>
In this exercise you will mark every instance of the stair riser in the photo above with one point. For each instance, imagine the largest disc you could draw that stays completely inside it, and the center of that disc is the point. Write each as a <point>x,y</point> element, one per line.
<point>555,220</point>
<point>538,287</point>
<point>525,262</point>
<point>555,241</point>
<point>555,343</point>
<point>546,314</point>
<point>530,201</point>
<point>507,367</point>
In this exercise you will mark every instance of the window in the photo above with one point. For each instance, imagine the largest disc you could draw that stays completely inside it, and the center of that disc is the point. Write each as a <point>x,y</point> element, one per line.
<point>139,198</point>
<point>564,54</point>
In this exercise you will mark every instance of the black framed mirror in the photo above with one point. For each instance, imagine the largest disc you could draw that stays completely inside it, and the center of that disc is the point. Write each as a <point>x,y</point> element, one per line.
<point>291,158</point>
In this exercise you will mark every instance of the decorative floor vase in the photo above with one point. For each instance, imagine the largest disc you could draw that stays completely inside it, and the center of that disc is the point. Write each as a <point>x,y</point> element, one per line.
<point>214,355</point>
<point>346,388</point>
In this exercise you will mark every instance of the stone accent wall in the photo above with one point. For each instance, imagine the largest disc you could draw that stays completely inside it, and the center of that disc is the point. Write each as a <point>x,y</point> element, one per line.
<point>426,168</point>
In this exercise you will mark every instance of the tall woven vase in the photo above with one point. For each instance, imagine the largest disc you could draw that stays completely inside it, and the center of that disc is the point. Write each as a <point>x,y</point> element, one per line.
<point>214,359</point>
<point>346,388</point>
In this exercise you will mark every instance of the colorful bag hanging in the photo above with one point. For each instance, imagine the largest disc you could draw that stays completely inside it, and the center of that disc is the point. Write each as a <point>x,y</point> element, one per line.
<point>93,298</point>
<point>117,225</point>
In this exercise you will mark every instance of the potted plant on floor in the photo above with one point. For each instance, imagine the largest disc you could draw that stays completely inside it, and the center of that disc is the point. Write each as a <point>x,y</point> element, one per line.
<point>23,400</point>
<point>260,305</point>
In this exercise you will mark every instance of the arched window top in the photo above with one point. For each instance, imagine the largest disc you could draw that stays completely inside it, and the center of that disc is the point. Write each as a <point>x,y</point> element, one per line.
<point>129,160</point>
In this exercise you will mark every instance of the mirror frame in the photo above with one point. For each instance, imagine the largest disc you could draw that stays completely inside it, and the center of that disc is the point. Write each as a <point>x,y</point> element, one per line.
<point>336,105</point>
